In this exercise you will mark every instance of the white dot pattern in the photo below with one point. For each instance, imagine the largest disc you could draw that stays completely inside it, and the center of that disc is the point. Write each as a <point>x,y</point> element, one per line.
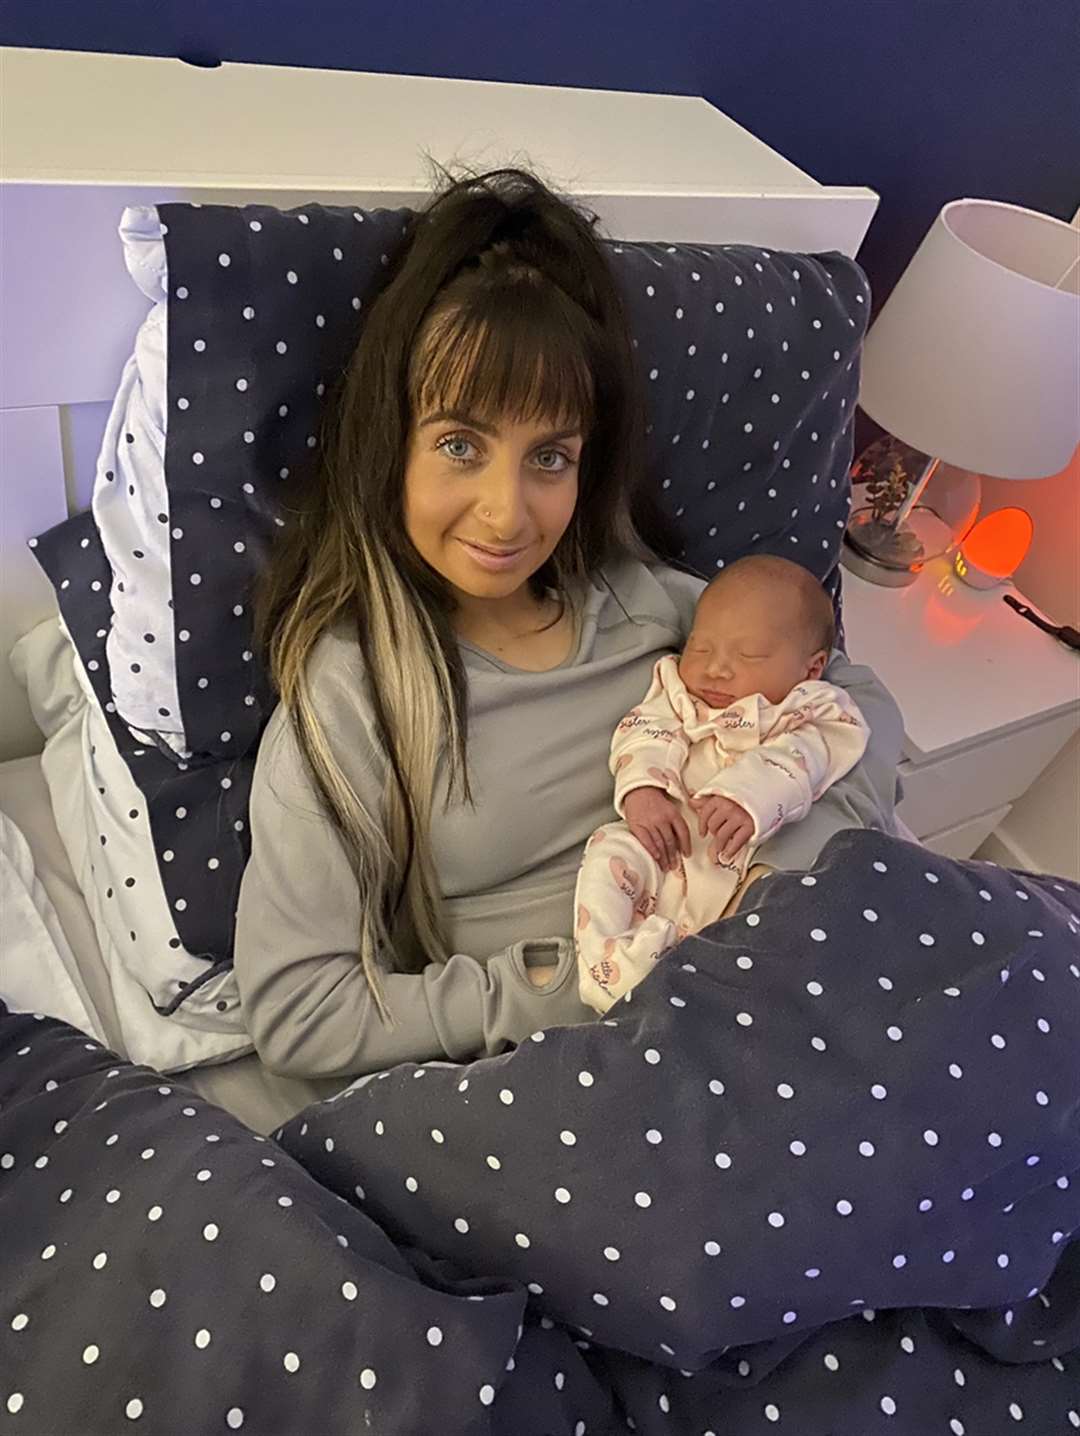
<point>633,1242</point>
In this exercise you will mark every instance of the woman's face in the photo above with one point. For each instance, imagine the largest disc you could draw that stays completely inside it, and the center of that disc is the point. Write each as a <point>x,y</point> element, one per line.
<point>487,503</point>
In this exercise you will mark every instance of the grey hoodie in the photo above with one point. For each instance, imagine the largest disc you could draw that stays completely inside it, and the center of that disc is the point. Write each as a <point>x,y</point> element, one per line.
<point>538,763</point>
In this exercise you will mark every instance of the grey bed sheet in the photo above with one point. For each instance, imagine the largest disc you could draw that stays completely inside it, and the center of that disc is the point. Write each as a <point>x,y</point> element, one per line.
<point>243,1087</point>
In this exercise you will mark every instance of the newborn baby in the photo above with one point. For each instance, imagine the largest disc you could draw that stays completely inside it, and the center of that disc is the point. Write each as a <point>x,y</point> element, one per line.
<point>734,738</point>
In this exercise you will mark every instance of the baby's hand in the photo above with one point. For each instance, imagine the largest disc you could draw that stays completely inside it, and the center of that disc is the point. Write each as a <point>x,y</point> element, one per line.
<point>729,825</point>
<point>658,825</point>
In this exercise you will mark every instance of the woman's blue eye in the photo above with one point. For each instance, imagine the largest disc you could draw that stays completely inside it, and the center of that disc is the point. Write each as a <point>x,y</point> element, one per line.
<point>564,461</point>
<point>445,446</point>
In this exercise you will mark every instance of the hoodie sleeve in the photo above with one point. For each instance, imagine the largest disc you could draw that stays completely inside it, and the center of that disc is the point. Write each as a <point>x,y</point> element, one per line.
<point>305,997</point>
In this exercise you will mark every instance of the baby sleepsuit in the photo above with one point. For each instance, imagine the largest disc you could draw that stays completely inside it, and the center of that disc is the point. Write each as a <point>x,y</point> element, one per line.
<point>772,759</point>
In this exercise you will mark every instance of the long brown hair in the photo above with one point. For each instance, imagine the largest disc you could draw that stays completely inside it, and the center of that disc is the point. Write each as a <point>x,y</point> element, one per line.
<point>499,303</point>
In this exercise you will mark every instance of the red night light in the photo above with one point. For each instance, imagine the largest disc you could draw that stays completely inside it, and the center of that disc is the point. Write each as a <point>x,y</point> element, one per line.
<point>995,548</point>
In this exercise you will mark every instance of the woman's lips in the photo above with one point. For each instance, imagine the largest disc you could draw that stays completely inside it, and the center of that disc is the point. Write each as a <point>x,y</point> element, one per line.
<point>495,560</point>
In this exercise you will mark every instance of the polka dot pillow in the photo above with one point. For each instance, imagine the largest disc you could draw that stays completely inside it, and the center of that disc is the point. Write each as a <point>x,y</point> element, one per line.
<point>748,357</point>
<point>196,817</point>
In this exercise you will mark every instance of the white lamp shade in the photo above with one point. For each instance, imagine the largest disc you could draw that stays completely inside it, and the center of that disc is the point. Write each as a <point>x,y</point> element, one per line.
<point>975,356</point>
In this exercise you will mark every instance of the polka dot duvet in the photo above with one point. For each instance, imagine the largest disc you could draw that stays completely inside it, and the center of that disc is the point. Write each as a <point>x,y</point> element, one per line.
<point>819,1174</point>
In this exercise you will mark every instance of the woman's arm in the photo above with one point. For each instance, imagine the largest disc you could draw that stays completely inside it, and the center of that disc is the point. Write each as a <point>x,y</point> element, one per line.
<point>306,1000</point>
<point>867,796</point>
<point>886,744</point>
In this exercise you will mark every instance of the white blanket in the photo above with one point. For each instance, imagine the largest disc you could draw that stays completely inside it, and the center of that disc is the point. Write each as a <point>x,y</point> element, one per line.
<point>38,972</point>
<point>93,793</point>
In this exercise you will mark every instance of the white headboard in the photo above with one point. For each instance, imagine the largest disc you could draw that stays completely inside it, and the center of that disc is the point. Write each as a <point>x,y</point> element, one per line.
<point>86,135</point>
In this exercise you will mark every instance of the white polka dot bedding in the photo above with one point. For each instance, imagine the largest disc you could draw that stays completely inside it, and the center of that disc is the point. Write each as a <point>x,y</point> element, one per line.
<point>819,1173</point>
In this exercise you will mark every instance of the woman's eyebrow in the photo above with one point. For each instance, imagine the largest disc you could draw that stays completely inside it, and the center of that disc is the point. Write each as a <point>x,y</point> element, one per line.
<point>454,416</point>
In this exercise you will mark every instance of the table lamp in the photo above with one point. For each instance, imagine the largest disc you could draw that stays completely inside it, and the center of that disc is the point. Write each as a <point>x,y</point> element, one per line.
<point>973,362</point>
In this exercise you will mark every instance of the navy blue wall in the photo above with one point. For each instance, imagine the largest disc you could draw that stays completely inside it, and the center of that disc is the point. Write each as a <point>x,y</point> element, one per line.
<point>923,100</point>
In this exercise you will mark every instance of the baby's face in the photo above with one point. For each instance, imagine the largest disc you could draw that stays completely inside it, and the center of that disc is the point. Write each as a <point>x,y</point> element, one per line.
<point>746,640</point>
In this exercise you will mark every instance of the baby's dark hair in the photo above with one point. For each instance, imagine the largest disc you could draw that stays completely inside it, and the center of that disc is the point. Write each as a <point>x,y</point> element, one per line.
<point>769,570</point>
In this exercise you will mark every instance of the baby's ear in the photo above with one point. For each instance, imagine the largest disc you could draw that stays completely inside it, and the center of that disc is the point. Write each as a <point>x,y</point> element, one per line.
<point>817,664</point>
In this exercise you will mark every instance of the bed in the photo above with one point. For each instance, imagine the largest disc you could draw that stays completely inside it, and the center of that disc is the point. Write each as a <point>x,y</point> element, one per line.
<point>453,1248</point>
<point>652,166</point>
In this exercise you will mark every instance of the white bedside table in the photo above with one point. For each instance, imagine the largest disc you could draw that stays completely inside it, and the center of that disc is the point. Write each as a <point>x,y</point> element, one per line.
<point>988,700</point>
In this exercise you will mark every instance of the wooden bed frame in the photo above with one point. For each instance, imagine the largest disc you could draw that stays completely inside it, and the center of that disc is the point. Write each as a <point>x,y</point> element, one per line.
<point>84,135</point>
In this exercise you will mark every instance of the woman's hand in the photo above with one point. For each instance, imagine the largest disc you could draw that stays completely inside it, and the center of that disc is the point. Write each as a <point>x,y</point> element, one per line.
<point>728,824</point>
<point>655,820</point>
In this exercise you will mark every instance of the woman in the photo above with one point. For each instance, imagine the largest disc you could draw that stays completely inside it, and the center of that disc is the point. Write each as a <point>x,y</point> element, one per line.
<point>458,617</point>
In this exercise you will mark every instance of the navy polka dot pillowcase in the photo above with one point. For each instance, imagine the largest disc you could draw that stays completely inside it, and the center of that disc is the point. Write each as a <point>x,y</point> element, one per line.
<point>748,359</point>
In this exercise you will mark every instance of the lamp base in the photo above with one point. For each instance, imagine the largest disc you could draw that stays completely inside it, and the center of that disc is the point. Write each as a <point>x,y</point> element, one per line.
<point>893,555</point>
<point>974,576</point>
<point>873,570</point>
